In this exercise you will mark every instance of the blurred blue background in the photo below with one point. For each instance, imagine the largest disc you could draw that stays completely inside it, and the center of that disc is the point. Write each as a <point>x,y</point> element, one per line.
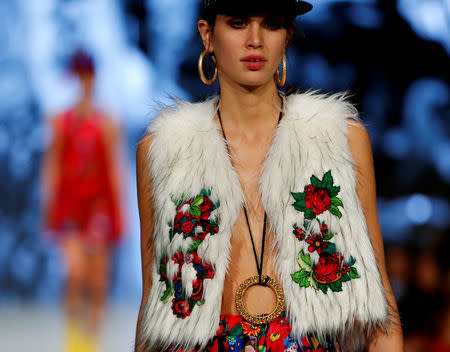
<point>393,55</point>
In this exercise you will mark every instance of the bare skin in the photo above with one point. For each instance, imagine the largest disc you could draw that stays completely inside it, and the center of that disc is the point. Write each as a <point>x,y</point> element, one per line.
<point>87,278</point>
<point>249,109</point>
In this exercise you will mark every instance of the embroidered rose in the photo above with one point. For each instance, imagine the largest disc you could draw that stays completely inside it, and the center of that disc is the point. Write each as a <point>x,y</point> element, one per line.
<point>319,201</point>
<point>318,197</point>
<point>206,207</point>
<point>187,227</point>
<point>328,269</point>
<point>181,308</point>
<point>316,243</point>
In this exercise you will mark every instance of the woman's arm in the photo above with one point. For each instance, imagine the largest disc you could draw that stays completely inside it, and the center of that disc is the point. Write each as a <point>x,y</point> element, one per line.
<point>50,170</point>
<point>146,215</point>
<point>361,150</point>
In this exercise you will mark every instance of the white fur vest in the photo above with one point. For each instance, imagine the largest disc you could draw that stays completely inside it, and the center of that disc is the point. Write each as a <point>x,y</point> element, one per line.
<point>325,258</point>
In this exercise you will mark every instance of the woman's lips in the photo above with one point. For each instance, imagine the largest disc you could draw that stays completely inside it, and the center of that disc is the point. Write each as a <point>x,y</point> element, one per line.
<point>253,62</point>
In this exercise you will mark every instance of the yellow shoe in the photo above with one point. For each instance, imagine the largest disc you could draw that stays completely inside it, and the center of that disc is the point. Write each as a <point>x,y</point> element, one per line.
<point>88,343</point>
<point>73,336</point>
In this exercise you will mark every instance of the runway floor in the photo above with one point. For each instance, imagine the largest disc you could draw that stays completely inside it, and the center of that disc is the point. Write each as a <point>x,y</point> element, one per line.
<point>34,328</point>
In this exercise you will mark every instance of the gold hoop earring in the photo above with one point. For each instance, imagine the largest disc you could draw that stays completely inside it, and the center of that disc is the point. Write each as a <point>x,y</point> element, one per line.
<point>200,68</point>
<point>281,81</point>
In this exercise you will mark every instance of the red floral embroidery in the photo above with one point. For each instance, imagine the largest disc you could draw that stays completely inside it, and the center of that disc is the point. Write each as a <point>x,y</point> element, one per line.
<point>316,243</point>
<point>193,220</point>
<point>330,271</point>
<point>318,200</point>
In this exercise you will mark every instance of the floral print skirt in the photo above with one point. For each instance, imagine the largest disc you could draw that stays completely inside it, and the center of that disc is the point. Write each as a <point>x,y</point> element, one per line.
<point>236,334</point>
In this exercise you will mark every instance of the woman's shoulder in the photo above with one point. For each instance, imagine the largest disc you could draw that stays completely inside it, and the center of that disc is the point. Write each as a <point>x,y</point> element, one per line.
<point>314,105</point>
<point>182,115</point>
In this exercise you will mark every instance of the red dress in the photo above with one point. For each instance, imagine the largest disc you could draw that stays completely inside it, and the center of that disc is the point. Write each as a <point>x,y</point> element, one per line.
<point>84,199</point>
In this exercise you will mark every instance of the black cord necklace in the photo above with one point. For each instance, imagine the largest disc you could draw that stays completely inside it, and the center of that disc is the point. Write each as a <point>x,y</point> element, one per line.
<point>257,280</point>
<point>259,264</point>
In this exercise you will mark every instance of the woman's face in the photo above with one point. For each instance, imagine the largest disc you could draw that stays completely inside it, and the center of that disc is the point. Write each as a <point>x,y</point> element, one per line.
<point>248,50</point>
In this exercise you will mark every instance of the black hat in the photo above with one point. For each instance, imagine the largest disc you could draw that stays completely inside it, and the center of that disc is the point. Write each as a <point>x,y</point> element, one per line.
<point>230,7</point>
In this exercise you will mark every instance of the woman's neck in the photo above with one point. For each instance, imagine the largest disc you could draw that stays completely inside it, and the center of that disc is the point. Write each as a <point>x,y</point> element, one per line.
<point>244,109</point>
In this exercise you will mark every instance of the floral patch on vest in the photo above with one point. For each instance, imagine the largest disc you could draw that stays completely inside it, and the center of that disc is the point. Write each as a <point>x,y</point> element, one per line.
<point>191,221</point>
<point>331,270</point>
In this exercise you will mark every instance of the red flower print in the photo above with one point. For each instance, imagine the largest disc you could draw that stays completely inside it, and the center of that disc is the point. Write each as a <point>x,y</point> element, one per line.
<point>299,233</point>
<point>345,268</point>
<point>328,269</point>
<point>197,289</point>
<point>250,330</point>
<point>316,242</point>
<point>178,258</point>
<point>206,226</point>
<point>206,207</point>
<point>232,320</point>
<point>163,268</point>
<point>187,227</point>
<point>178,218</point>
<point>277,332</point>
<point>323,228</point>
<point>309,189</point>
<point>319,201</point>
<point>181,308</point>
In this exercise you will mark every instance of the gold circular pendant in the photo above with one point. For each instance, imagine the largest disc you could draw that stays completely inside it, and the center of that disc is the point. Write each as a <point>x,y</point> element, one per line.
<point>258,319</point>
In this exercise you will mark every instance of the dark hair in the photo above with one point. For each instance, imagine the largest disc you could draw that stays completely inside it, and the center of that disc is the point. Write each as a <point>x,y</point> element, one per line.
<point>81,62</point>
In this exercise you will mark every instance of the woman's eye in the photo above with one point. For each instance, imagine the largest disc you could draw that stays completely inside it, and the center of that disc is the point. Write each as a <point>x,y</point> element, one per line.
<point>237,23</point>
<point>272,23</point>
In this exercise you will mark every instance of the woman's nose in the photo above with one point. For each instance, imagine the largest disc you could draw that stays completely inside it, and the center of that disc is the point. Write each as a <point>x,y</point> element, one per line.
<point>255,36</point>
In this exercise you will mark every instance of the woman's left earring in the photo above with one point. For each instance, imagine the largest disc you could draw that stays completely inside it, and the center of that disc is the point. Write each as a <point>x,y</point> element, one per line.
<point>200,68</point>
<point>281,81</point>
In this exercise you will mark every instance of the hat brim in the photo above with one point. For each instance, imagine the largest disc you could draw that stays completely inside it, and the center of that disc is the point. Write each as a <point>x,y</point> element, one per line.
<point>244,7</point>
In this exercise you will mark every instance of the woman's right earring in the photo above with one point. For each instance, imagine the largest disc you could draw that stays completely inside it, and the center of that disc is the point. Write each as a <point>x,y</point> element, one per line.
<point>200,68</point>
<point>281,81</point>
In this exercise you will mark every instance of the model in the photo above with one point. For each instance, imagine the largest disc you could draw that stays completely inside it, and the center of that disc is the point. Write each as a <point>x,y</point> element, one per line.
<point>80,174</point>
<point>259,226</point>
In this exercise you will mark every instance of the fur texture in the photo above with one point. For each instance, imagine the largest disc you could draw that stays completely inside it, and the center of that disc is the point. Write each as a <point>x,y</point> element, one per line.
<point>188,154</point>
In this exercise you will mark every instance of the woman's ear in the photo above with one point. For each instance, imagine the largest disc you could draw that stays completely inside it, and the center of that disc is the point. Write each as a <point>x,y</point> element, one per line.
<point>205,31</point>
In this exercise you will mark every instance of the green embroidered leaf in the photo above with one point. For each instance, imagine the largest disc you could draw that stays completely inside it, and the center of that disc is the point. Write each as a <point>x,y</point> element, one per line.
<point>316,182</point>
<point>335,211</point>
<point>323,288</point>
<point>305,282</point>
<point>331,248</point>
<point>192,304</point>
<point>300,275</point>
<point>177,201</point>
<point>328,236</point>
<point>195,210</point>
<point>167,293</point>
<point>198,200</point>
<point>334,190</point>
<point>171,234</point>
<point>345,278</point>
<point>304,260</point>
<point>195,244</point>
<point>300,197</point>
<point>201,302</point>
<point>236,331</point>
<point>351,261</point>
<point>299,206</point>
<point>336,286</point>
<point>336,202</point>
<point>309,214</point>
<point>354,273</point>
<point>327,180</point>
